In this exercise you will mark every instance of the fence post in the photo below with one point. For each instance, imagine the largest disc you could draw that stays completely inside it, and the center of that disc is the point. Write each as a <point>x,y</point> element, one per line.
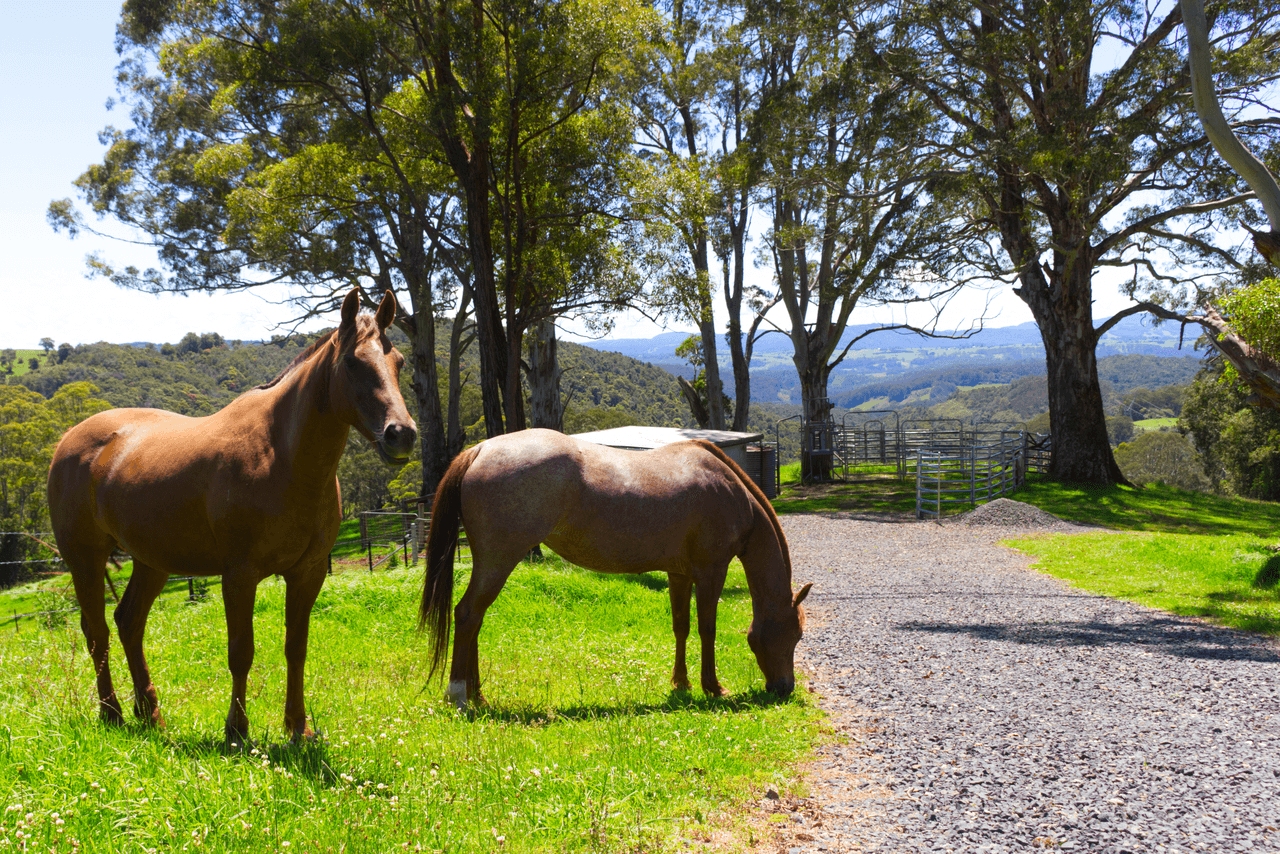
<point>191,589</point>
<point>973,472</point>
<point>15,621</point>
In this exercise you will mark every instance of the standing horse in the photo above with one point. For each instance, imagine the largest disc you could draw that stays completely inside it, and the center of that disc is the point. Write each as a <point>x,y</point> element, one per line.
<point>685,509</point>
<point>248,492</point>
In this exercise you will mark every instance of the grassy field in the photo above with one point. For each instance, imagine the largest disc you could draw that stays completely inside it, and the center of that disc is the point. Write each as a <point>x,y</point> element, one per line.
<point>1155,423</point>
<point>583,746</point>
<point>21,366</point>
<point>1191,553</point>
<point>1186,552</point>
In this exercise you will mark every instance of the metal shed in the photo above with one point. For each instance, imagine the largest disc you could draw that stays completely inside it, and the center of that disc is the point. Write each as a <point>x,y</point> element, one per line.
<point>735,446</point>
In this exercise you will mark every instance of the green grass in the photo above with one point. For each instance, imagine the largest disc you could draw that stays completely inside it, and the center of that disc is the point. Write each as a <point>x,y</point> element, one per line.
<point>1153,508</point>
<point>1229,579</point>
<point>20,366</point>
<point>1184,552</point>
<point>1148,424</point>
<point>582,747</point>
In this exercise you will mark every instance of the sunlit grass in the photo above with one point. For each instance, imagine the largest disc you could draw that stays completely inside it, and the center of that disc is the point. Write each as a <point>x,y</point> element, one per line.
<point>583,747</point>
<point>1230,579</point>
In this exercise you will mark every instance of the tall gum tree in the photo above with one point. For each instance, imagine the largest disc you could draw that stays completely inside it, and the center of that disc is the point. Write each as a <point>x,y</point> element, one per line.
<point>1071,128</point>
<point>523,97</point>
<point>1250,343</point>
<point>846,176</point>
<point>269,146</point>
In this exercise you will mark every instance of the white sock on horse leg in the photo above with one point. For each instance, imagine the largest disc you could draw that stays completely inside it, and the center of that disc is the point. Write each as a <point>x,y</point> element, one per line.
<point>458,693</point>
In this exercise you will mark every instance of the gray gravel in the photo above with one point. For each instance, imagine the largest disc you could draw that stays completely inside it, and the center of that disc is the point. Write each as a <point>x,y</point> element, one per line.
<point>986,707</point>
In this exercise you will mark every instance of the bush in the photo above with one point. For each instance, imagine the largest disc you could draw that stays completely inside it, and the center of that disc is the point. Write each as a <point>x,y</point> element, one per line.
<point>1160,457</point>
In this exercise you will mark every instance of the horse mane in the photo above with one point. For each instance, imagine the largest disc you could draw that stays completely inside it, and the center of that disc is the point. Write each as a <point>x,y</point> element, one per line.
<point>299,359</point>
<point>758,494</point>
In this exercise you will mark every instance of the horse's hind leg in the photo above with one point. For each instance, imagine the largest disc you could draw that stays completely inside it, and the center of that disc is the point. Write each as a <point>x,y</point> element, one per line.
<point>145,585</point>
<point>464,670</point>
<point>88,573</point>
<point>709,588</point>
<point>679,588</point>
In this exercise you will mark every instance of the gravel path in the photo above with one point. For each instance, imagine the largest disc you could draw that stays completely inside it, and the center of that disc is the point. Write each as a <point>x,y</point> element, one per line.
<point>986,707</point>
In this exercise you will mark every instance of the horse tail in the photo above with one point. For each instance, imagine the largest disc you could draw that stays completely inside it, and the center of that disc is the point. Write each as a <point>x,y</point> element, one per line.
<point>436,611</point>
<point>766,506</point>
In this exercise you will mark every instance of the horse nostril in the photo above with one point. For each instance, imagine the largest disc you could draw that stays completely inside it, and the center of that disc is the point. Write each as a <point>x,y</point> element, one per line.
<point>399,435</point>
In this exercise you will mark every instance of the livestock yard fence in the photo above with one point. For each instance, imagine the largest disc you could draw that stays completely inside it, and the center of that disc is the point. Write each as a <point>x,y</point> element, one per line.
<point>969,466</point>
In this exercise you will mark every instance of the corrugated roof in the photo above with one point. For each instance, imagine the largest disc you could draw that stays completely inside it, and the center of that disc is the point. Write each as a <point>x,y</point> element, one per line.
<point>646,438</point>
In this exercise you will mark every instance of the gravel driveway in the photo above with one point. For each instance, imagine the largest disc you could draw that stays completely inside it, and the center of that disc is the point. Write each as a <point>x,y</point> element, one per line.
<point>985,707</point>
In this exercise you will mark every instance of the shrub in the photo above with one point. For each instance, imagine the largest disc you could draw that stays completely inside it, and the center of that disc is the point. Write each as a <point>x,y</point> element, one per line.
<point>1160,457</point>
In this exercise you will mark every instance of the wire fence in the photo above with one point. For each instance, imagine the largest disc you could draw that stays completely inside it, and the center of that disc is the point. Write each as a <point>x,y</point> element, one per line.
<point>379,538</point>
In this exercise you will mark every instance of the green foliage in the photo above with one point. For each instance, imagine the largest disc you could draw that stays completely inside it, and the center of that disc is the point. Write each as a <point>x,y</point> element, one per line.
<point>30,427</point>
<point>1254,314</point>
<point>1119,428</point>
<point>1162,457</point>
<point>582,747</point>
<point>1240,444</point>
<point>1144,403</point>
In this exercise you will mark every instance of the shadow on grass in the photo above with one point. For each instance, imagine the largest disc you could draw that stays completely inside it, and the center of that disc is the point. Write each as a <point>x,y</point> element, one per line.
<point>1154,507</point>
<point>677,701</point>
<point>1269,574</point>
<point>1162,634</point>
<point>306,758</point>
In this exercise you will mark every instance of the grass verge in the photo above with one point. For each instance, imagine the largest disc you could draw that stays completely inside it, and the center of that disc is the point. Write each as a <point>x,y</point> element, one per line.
<point>583,747</point>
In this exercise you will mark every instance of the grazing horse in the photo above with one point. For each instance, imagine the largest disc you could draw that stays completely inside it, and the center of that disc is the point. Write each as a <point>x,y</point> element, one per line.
<point>248,492</point>
<point>685,509</point>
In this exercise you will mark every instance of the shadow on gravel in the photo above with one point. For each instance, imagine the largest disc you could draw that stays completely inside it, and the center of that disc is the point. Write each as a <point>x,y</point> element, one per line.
<point>1158,634</point>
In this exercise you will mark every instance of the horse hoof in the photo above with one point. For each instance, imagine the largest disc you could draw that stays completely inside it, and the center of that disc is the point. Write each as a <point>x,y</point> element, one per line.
<point>111,715</point>
<point>715,691</point>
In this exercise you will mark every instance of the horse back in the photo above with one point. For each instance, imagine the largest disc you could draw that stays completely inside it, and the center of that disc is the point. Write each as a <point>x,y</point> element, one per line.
<point>183,494</point>
<point>608,509</point>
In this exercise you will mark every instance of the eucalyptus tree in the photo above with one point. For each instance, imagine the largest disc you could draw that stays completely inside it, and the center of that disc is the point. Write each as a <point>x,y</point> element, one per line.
<point>526,101</point>
<point>675,184</point>
<point>273,143</point>
<point>312,143</point>
<point>846,177</point>
<point>1251,342</point>
<point>1071,126</point>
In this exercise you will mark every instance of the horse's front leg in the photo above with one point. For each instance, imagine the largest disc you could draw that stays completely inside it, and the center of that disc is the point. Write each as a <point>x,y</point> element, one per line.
<point>679,588</point>
<point>708,589</point>
<point>238,593</point>
<point>300,596</point>
<point>145,585</point>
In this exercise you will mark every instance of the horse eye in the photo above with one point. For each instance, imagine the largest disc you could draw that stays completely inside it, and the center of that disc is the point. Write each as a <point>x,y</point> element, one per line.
<point>351,361</point>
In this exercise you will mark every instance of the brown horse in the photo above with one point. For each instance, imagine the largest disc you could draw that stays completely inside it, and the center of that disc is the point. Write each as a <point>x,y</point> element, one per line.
<point>248,492</point>
<point>685,510</point>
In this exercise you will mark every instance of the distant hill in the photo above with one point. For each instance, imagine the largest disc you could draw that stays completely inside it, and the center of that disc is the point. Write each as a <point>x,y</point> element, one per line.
<point>890,356</point>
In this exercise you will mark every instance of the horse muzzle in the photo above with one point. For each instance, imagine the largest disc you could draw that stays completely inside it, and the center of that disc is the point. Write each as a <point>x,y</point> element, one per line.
<point>781,687</point>
<point>395,445</point>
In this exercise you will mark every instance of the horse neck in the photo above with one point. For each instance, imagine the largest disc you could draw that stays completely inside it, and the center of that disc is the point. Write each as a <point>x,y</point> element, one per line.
<point>303,425</point>
<point>767,566</point>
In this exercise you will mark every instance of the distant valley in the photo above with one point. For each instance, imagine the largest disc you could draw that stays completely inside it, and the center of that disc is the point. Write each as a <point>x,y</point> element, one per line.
<point>884,359</point>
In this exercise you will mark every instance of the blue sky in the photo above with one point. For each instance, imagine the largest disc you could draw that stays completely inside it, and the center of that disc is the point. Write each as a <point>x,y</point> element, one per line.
<point>58,68</point>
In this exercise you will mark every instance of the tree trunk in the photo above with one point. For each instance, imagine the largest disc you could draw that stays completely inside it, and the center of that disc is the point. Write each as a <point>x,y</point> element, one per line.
<point>545,409</point>
<point>1077,420</point>
<point>456,437</point>
<point>426,390</point>
<point>695,402</point>
<point>816,457</point>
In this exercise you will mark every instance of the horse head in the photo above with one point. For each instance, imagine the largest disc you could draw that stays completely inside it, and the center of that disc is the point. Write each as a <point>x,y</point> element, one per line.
<point>366,380</point>
<point>773,639</point>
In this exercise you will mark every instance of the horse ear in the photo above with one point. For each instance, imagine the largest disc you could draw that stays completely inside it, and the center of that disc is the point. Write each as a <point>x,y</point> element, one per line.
<point>351,307</point>
<point>804,591</point>
<point>386,311</point>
